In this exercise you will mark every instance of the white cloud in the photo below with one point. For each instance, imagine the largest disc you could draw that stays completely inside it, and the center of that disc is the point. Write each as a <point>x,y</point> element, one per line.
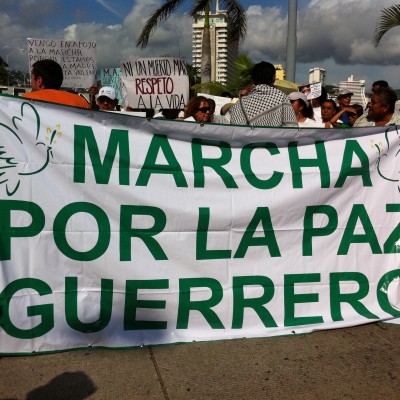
<point>332,34</point>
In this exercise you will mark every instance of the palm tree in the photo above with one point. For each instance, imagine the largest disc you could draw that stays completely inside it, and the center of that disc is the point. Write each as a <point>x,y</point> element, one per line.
<point>236,28</point>
<point>243,66</point>
<point>389,18</point>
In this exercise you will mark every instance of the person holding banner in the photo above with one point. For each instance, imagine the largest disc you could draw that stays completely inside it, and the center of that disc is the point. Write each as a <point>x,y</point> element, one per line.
<point>381,109</point>
<point>265,105</point>
<point>46,79</point>
<point>303,110</point>
<point>198,109</point>
<point>328,111</point>
<point>107,99</point>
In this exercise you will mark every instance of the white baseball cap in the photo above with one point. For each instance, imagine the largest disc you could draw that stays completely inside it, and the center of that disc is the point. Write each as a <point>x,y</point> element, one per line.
<point>344,92</point>
<point>107,91</point>
<point>297,96</point>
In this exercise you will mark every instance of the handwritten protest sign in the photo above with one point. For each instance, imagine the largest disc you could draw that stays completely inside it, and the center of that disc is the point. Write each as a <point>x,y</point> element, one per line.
<point>78,59</point>
<point>312,91</point>
<point>155,83</point>
<point>112,77</point>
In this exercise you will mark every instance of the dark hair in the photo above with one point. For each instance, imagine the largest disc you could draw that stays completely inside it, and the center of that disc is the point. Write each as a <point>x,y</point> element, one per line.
<point>359,109</point>
<point>307,110</point>
<point>332,102</point>
<point>263,73</point>
<point>211,103</point>
<point>194,103</point>
<point>381,84</point>
<point>50,72</point>
<point>387,97</point>
<point>324,95</point>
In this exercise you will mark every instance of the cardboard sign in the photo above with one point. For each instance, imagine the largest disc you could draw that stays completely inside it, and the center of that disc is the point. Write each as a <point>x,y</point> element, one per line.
<point>112,77</point>
<point>78,59</point>
<point>155,83</point>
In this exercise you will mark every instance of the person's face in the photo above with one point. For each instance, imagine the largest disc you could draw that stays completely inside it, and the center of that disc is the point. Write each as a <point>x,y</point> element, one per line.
<point>106,104</point>
<point>306,90</point>
<point>376,111</point>
<point>344,100</point>
<point>202,112</point>
<point>36,83</point>
<point>327,111</point>
<point>352,118</point>
<point>297,106</point>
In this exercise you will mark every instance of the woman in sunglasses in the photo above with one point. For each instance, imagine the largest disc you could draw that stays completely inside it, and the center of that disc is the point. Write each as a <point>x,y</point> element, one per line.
<point>198,109</point>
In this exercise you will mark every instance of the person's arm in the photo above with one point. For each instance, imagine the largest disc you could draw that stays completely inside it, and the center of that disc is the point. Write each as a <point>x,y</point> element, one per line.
<point>337,116</point>
<point>92,97</point>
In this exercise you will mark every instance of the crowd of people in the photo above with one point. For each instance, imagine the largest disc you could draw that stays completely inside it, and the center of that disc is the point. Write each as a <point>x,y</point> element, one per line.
<point>258,104</point>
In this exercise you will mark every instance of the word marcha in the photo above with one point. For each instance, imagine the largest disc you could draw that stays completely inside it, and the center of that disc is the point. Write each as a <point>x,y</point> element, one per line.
<point>236,299</point>
<point>85,144</point>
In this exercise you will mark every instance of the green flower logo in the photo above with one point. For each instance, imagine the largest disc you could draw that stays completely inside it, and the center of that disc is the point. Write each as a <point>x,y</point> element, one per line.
<point>15,161</point>
<point>388,163</point>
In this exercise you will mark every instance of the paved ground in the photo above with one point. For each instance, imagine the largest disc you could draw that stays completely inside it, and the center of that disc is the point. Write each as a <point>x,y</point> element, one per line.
<point>355,363</point>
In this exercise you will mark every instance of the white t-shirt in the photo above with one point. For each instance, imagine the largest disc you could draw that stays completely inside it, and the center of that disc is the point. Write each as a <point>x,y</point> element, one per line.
<point>317,114</point>
<point>310,123</point>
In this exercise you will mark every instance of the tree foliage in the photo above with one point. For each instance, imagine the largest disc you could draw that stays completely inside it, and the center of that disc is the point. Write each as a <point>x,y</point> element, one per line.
<point>235,11</point>
<point>237,26</point>
<point>389,18</point>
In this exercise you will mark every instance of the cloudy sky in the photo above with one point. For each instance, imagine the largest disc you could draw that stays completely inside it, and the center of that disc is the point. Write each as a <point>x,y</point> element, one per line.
<point>332,34</point>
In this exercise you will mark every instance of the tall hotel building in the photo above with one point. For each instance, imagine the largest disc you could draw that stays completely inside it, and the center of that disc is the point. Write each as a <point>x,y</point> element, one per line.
<point>223,54</point>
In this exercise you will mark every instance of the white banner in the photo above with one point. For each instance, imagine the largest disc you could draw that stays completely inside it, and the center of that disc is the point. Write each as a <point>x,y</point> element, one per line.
<point>78,59</point>
<point>117,231</point>
<point>154,83</point>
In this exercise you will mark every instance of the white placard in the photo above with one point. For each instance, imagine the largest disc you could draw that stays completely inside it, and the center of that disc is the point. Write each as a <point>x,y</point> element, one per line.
<point>78,59</point>
<point>154,83</point>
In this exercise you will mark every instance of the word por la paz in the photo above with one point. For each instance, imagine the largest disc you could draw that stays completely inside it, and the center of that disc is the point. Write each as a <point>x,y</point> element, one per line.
<point>132,214</point>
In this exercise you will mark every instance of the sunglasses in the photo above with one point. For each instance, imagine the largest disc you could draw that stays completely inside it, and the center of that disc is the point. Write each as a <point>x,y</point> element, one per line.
<point>203,109</point>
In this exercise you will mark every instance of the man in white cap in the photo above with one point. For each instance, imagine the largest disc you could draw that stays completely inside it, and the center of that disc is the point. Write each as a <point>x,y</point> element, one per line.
<point>344,99</point>
<point>107,99</point>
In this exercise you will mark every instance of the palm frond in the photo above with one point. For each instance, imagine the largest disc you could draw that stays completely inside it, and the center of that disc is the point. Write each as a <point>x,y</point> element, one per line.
<point>199,6</point>
<point>212,88</point>
<point>243,64</point>
<point>237,17</point>
<point>389,18</point>
<point>161,14</point>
